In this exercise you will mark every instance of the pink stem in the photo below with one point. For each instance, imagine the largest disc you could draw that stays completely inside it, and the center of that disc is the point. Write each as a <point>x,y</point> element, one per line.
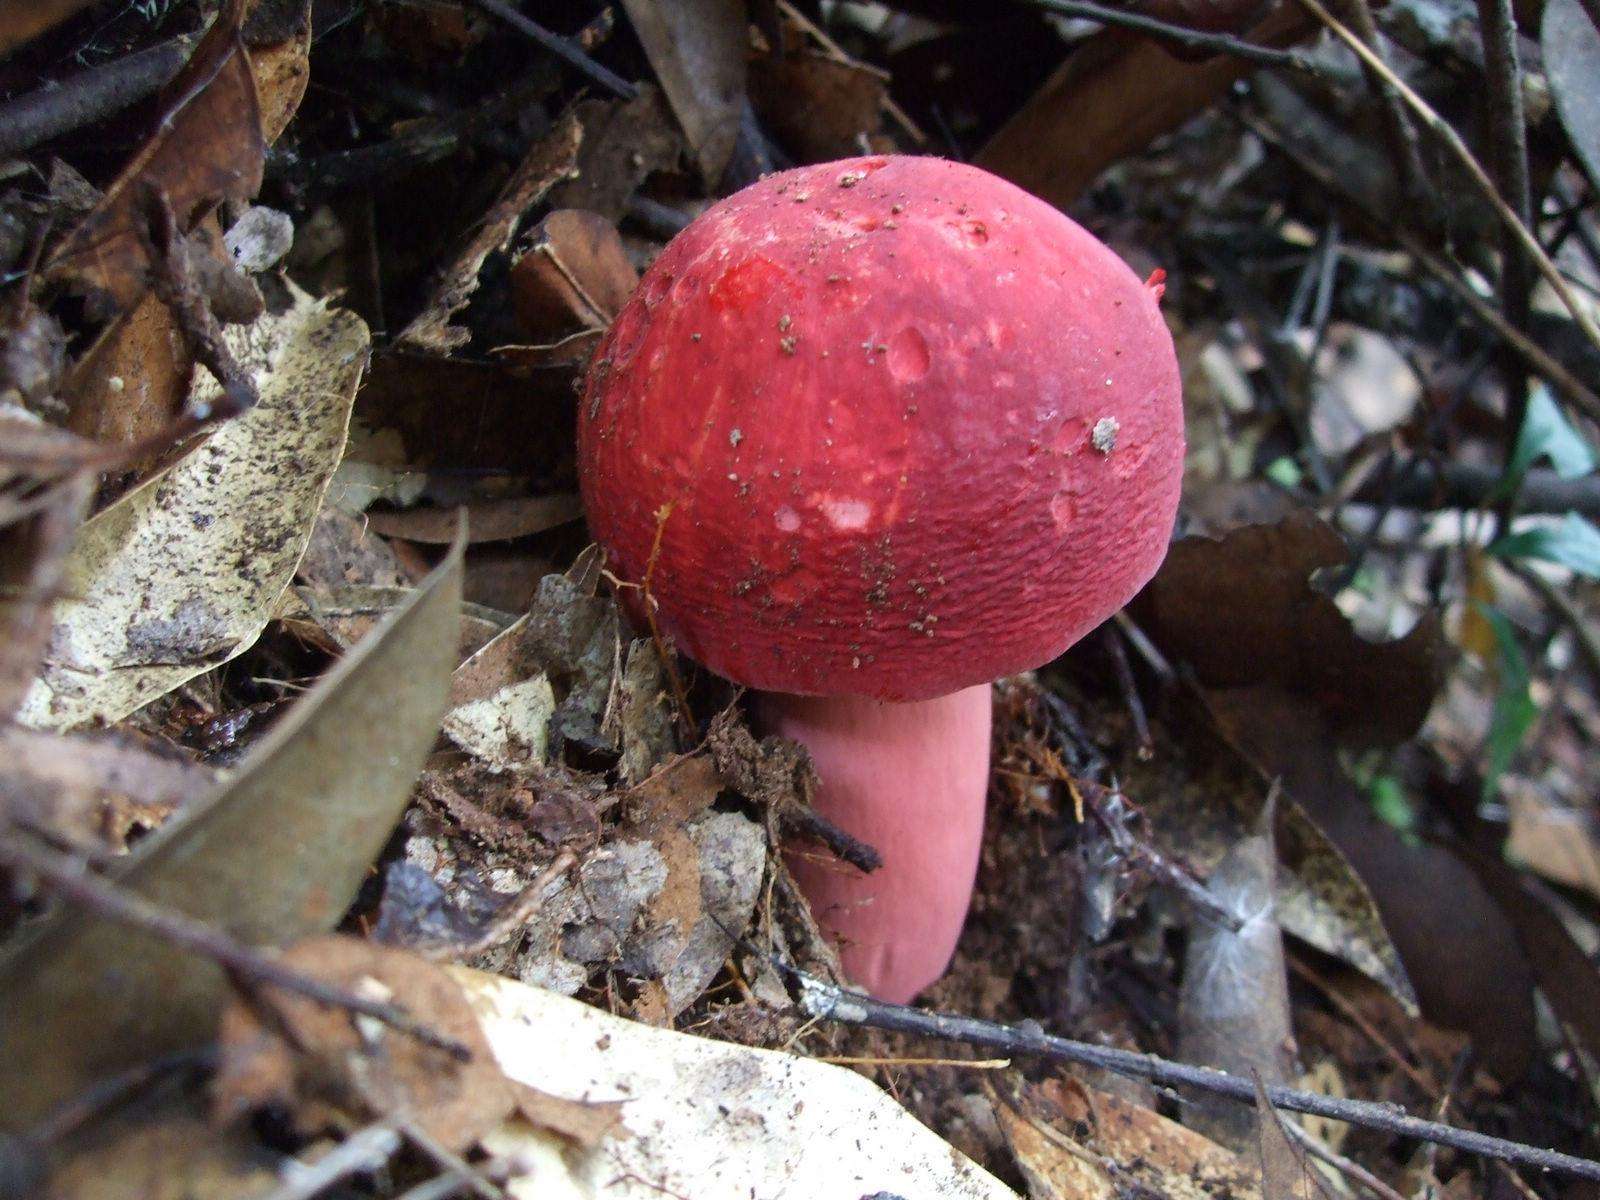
<point>910,781</point>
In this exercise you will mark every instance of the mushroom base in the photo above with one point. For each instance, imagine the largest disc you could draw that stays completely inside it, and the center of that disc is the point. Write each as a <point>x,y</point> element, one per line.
<point>910,780</point>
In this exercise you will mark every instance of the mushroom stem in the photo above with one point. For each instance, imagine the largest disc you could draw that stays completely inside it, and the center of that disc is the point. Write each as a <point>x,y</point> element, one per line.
<point>910,780</point>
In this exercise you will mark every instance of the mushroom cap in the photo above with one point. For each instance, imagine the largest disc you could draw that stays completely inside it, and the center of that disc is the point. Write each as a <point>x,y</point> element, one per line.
<point>886,427</point>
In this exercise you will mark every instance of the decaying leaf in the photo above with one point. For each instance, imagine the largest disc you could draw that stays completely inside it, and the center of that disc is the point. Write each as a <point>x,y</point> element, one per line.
<point>208,147</point>
<point>275,855</point>
<point>34,549</point>
<point>1208,801</point>
<point>88,788</point>
<point>1074,1143</point>
<point>1083,120</point>
<point>1253,588</point>
<point>817,106</point>
<point>183,572</point>
<point>1234,1005</point>
<point>280,55</point>
<point>1571,46</point>
<point>551,160</point>
<point>624,141</point>
<point>331,1067</point>
<point>575,275</point>
<point>702,1118</point>
<point>487,520</point>
<point>132,380</point>
<point>697,48</point>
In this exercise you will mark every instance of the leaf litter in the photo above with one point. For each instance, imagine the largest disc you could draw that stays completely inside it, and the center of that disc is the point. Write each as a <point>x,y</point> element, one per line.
<point>561,818</point>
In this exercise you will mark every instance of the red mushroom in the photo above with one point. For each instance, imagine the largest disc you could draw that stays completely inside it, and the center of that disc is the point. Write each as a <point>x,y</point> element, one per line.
<point>878,432</point>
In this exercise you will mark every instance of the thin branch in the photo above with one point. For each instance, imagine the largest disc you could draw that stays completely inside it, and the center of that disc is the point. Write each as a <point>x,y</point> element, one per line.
<point>1340,1163</point>
<point>846,847</point>
<point>827,1002</point>
<point>1420,483</point>
<point>68,878</point>
<point>562,48</point>
<point>1480,177</point>
<point>1561,379</point>
<point>1182,35</point>
<point>364,1151</point>
<point>1397,127</point>
<point>89,96</point>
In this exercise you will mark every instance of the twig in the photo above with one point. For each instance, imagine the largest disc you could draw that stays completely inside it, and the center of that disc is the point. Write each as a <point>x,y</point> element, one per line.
<point>562,48</point>
<point>837,53</point>
<point>1130,691</point>
<point>521,909</point>
<point>1452,140</point>
<point>68,878</point>
<point>842,845</point>
<point>1588,640</point>
<point>828,1002</point>
<point>1397,127</point>
<point>1340,1163</point>
<point>1563,380</point>
<point>1182,35</point>
<point>87,97</point>
<point>1114,812</point>
<point>173,278</point>
<point>1420,483</point>
<point>448,1160</point>
<point>363,1151</point>
<point>1508,136</point>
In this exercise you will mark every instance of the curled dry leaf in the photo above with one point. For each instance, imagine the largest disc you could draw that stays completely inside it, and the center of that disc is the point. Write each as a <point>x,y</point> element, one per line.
<point>208,147</point>
<point>551,160</point>
<point>703,1118</point>
<point>575,275</point>
<point>697,48</point>
<point>275,855</point>
<point>333,1067</point>
<point>277,37</point>
<point>624,141</point>
<point>1074,1143</point>
<point>487,520</point>
<point>1234,1005</point>
<point>183,572</point>
<point>1204,800</point>
<point>816,106</point>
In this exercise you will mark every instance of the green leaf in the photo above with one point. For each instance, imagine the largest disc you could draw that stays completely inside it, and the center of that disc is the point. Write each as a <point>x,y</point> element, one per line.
<point>1514,709</point>
<point>276,854</point>
<point>1547,434</point>
<point>1574,543</point>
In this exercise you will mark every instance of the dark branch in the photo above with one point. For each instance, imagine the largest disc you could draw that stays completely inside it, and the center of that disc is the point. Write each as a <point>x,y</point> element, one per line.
<point>562,48</point>
<point>827,1002</point>
<point>89,96</point>
<point>1181,35</point>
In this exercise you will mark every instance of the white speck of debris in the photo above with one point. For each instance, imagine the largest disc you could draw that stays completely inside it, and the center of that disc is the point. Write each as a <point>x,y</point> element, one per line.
<point>850,178</point>
<point>1104,435</point>
<point>735,436</point>
<point>115,383</point>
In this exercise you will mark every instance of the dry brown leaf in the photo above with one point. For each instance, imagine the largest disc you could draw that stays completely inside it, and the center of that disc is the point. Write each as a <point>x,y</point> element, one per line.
<point>1285,1173</point>
<point>1111,98</point>
<point>624,141</point>
<point>130,383</point>
<point>207,148</point>
<point>818,107</point>
<point>582,1122</point>
<point>1241,609</point>
<point>281,59</point>
<point>697,48</point>
<point>487,520</point>
<point>21,23</point>
<point>88,789</point>
<point>552,159</point>
<point>1560,843</point>
<point>575,275</point>
<point>327,1063</point>
<point>1148,1150</point>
